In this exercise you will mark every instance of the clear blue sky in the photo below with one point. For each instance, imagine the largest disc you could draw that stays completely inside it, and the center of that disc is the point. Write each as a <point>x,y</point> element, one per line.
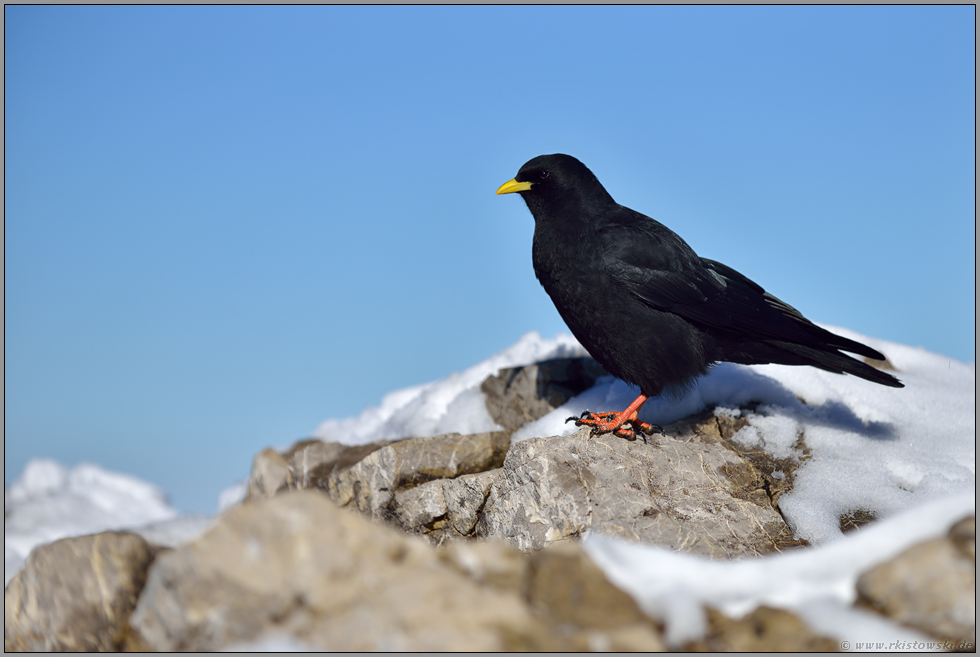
<point>224,225</point>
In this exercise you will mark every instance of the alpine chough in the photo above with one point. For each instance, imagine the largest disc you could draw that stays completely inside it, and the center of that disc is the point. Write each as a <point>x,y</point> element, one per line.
<point>646,306</point>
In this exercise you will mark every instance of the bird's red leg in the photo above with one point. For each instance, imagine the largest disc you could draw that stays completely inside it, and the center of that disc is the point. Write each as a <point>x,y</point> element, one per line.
<point>613,422</point>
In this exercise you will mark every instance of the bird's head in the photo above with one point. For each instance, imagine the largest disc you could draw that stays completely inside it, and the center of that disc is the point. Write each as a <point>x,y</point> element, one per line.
<point>555,184</point>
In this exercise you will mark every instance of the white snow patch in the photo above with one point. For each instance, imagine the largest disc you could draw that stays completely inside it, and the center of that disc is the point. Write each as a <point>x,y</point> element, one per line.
<point>50,501</point>
<point>453,404</point>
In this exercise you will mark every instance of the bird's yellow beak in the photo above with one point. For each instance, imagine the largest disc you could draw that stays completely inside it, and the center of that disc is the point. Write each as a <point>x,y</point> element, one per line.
<point>512,186</point>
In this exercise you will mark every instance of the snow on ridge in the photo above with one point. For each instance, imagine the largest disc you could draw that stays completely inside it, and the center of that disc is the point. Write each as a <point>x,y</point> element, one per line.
<point>453,404</point>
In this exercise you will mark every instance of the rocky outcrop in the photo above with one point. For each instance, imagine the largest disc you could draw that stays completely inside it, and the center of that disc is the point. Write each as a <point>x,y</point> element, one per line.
<point>690,489</point>
<point>76,594</point>
<point>432,486</point>
<point>687,490</point>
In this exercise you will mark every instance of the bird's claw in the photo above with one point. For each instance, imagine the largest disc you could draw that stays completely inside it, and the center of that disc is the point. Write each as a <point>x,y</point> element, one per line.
<point>597,420</point>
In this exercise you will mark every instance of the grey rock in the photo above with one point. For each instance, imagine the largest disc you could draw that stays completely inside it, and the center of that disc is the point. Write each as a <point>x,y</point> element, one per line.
<point>930,586</point>
<point>518,395</point>
<point>418,508</point>
<point>270,475</point>
<point>465,497</point>
<point>687,490</point>
<point>370,484</point>
<point>76,594</point>
<point>307,464</point>
<point>312,462</point>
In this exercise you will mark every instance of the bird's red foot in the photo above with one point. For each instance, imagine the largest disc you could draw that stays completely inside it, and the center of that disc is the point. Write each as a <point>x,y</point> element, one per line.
<point>627,428</point>
<point>616,423</point>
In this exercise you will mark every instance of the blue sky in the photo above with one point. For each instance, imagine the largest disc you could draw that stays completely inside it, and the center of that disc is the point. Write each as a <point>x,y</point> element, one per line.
<point>225,225</point>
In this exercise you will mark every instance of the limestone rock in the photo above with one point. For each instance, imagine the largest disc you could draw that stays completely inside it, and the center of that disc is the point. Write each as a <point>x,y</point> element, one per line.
<point>313,462</point>
<point>307,464</point>
<point>518,395</point>
<point>465,497</point>
<point>764,630</point>
<point>931,586</point>
<point>76,594</point>
<point>370,484</point>
<point>298,565</point>
<point>420,507</point>
<point>686,490</point>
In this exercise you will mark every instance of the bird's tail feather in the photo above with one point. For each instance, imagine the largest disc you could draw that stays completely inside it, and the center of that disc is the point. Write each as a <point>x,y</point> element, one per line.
<point>834,361</point>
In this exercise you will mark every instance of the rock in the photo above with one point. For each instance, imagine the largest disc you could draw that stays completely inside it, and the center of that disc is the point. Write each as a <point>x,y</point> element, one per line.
<point>931,586</point>
<point>270,474</point>
<point>370,484</point>
<point>567,586</point>
<point>492,563</point>
<point>778,474</point>
<point>380,479</point>
<point>518,395</point>
<point>686,490</point>
<point>465,497</point>
<point>764,630</point>
<point>566,590</point>
<point>307,464</point>
<point>418,508</point>
<point>299,566</point>
<point>76,594</point>
<point>313,462</point>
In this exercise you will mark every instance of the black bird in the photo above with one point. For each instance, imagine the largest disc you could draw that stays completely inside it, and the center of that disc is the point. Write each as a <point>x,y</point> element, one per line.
<point>646,306</point>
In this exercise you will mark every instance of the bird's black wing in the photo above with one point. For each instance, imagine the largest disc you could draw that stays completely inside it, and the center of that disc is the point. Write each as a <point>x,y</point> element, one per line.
<point>659,269</point>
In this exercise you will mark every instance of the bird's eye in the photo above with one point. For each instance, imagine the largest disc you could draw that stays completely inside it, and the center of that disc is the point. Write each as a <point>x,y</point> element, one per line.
<point>544,175</point>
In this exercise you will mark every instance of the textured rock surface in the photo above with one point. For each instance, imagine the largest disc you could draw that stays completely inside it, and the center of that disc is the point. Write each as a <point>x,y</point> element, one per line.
<point>370,484</point>
<point>307,464</point>
<point>297,565</point>
<point>931,586</point>
<point>687,490</point>
<point>443,509</point>
<point>518,395</point>
<point>379,479</point>
<point>76,594</point>
<point>465,497</point>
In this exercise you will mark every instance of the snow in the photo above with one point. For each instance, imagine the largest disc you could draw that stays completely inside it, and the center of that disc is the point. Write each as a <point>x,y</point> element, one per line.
<point>907,456</point>
<point>454,404</point>
<point>49,501</point>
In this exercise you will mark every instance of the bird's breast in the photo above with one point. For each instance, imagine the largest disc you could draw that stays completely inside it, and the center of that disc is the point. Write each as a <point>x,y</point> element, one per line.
<point>650,348</point>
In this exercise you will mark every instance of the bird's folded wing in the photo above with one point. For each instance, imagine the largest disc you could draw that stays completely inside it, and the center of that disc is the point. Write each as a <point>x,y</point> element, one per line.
<point>673,279</point>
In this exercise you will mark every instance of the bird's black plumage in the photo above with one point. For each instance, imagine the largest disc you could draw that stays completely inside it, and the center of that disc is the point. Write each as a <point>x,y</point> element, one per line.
<point>645,305</point>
